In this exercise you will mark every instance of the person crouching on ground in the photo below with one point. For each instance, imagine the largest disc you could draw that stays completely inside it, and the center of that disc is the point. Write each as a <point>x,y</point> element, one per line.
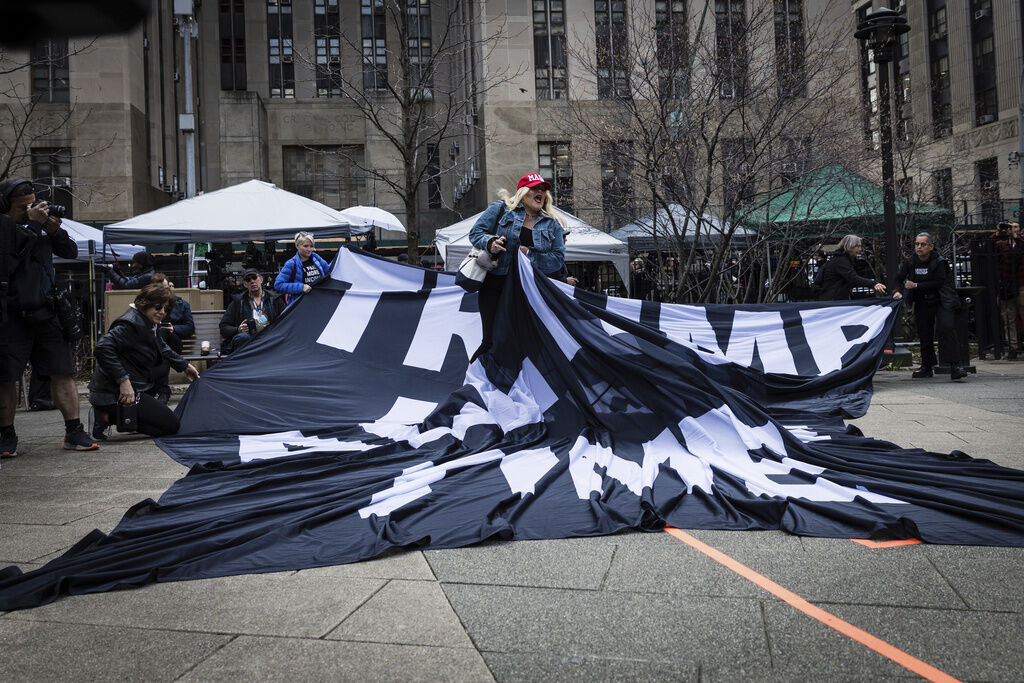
<point>126,357</point>
<point>526,221</point>
<point>301,271</point>
<point>177,326</point>
<point>928,281</point>
<point>249,312</point>
<point>840,275</point>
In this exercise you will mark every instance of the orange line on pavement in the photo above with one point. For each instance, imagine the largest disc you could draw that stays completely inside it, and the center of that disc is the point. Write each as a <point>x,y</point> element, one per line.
<point>886,544</point>
<point>789,597</point>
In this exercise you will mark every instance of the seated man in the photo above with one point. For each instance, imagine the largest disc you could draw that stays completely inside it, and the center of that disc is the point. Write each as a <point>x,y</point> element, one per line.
<point>249,312</point>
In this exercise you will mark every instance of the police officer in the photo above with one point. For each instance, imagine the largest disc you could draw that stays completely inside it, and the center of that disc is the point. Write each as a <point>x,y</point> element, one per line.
<point>927,280</point>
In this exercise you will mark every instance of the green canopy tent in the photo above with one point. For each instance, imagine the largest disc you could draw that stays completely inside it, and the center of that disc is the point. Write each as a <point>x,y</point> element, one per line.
<point>822,201</point>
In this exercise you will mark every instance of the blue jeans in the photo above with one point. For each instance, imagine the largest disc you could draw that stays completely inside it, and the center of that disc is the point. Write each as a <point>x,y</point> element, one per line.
<point>238,341</point>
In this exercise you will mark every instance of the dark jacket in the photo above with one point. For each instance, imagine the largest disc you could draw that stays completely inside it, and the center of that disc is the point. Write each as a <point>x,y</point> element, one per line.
<point>131,349</point>
<point>241,309</point>
<point>1011,261</point>
<point>840,277</point>
<point>181,318</point>
<point>29,251</point>
<point>138,281</point>
<point>930,276</point>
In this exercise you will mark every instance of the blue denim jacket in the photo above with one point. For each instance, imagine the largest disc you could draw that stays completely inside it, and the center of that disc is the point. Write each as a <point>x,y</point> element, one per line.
<point>548,252</point>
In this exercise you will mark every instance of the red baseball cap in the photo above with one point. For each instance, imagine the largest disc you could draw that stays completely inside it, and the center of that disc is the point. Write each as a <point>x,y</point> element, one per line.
<point>533,180</point>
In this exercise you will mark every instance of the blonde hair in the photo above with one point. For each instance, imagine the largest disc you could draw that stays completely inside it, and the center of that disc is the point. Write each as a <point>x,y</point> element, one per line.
<point>302,236</point>
<point>849,242</point>
<point>511,202</point>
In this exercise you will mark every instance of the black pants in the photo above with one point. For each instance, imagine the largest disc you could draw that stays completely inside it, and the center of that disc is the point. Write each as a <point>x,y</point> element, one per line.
<point>487,300</point>
<point>155,419</point>
<point>161,373</point>
<point>926,316</point>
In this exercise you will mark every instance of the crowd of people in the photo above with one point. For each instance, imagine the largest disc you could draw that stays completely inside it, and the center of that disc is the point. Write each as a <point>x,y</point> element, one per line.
<point>130,384</point>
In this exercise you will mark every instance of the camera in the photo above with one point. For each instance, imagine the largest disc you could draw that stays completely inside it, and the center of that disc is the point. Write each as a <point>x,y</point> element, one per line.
<point>56,210</point>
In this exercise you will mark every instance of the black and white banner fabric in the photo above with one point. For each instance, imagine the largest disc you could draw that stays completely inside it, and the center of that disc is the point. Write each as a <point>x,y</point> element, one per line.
<point>353,426</point>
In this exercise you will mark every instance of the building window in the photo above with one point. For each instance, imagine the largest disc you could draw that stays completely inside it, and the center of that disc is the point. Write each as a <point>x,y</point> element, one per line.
<point>549,49</point>
<point>673,55</point>
<point>556,167</point>
<point>988,190</point>
<point>901,91</point>
<point>51,167</point>
<point>279,46</point>
<point>50,71</point>
<point>375,51</point>
<point>983,48</point>
<point>938,56</point>
<point>327,174</point>
<point>327,39</point>
<point>421,75</point>
<point>943,182</point>
<point>737,175</point>
<point>232,45</point>
<point>612,49</point>
<point>434,197</point>
<point>789,48</point>
<point>731,47</point>
<point>617,183</point>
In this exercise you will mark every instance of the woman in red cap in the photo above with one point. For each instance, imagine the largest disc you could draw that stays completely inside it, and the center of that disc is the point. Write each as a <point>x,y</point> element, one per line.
<point>526,221</point>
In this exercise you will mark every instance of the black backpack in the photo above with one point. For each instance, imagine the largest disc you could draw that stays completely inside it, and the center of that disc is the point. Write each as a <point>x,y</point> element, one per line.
<point>817,285</point>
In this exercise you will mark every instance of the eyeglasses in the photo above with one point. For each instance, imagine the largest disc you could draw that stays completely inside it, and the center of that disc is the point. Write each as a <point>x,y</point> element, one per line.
<point>162,307</point>
<point>252,278</point>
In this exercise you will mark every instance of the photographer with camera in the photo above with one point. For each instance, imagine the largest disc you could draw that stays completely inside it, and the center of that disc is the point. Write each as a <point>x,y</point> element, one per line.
<point>142,269</point>
<point>1010,252</point>
<point>249,312</point>
<point>30,328</point>
<point>126,359</point>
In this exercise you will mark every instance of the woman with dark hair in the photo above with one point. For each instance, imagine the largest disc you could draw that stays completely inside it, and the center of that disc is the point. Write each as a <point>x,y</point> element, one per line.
<point>526,221</point>
<point>126,358</point>
<point>839,275</point>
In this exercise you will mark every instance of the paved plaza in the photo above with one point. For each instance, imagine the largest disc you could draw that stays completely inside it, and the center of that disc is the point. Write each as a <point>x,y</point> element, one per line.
<point>628,606</point>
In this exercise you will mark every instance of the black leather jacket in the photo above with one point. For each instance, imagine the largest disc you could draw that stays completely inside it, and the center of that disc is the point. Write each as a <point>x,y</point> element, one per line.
<point>240,309</point>
<point>840,277</point>
<point>28,252</point>
<point>131,349</point>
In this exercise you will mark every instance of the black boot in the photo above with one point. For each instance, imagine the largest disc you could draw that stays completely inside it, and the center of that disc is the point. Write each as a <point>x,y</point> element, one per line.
<point>100,425</point>
<point>923,372</point>
<point>956,372</point>
<point>1011,354</point>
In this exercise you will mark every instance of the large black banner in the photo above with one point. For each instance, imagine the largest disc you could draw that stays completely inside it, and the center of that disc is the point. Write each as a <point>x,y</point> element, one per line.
<point>353,426</point>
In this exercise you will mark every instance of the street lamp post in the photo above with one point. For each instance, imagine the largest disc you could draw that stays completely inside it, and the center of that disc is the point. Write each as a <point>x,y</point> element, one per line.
<point>881,28</point>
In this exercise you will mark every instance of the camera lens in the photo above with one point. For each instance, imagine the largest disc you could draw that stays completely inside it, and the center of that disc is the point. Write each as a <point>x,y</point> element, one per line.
<point>58,210</point>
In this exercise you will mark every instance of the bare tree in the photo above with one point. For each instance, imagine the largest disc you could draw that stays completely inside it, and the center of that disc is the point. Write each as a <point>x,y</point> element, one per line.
<point>37,109</point>
<point>419,92</point>
<point>714,112</point>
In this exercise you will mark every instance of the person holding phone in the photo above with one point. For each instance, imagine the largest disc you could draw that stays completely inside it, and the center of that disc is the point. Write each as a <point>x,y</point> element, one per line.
<point>126,357</point>
<point>249,312</point>
<point>177,326</point>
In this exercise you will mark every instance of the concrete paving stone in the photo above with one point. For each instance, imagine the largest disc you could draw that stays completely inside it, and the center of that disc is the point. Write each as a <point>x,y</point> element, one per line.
<point>805,649</point>
<point>665,565</point>
<point>968,645</point>
<point>535,666</point>
<point>606,624</point>
<point>48,514</point>
<point>298,660</point>
<point>396,564</point>
<point>32,542</point>
<point>985,578</point>
<point>855,574</point>
<point>281,604</point>
<point>560,563</point>
<point>41,651</point>
<point>90,483</point>
<point>407,612</point>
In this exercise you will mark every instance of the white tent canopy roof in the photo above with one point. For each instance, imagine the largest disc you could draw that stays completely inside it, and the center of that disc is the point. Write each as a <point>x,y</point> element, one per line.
<point>82,234</point>
<point>379,218</point>
<point>253,210</point>
<point>585,243</point>
<point>661,223</point>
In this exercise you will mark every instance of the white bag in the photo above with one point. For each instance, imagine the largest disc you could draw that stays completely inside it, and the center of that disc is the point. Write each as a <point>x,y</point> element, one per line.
<point>473,269</point>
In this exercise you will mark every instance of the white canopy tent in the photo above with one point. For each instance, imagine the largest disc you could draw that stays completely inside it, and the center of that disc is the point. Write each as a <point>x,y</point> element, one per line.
<point>83,234</point>
<point>253,210</point>
<point>379,218</point>
<point>585,243</point>
<point>640,234</point>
